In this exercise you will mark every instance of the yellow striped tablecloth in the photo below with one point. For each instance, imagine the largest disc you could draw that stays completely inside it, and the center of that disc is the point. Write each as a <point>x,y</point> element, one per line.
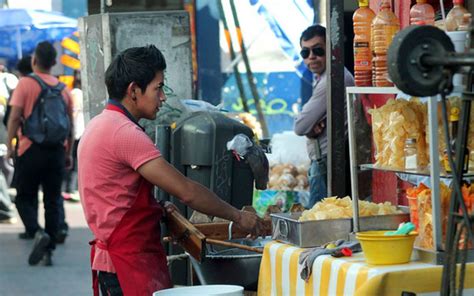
<point>280,275</point>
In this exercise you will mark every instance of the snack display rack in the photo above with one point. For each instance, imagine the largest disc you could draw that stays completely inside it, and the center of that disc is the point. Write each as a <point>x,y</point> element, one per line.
<point>435,255</point>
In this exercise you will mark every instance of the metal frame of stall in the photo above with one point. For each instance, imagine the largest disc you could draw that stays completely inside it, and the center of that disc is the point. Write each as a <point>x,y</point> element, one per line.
<point>437,255</point>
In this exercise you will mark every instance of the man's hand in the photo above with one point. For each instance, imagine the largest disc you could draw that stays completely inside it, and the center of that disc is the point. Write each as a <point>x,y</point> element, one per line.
<point>318,128</point>
<point>251,223</point>
<point>169,207</point>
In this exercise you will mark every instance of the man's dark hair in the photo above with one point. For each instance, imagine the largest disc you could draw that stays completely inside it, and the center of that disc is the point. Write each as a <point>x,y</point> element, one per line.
<point>312,31</point>
<point>136,64</point>
<point>24,65</point>
<point>45,55</point>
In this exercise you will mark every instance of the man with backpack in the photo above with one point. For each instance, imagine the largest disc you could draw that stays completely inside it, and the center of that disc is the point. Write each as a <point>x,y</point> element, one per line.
<point>41,117</point>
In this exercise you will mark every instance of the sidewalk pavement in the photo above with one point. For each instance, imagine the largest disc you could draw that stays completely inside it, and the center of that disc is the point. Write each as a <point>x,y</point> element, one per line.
<point>70,273</point>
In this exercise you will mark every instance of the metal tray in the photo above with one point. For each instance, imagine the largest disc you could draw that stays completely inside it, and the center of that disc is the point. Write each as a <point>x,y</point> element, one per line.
<point>286,228</point>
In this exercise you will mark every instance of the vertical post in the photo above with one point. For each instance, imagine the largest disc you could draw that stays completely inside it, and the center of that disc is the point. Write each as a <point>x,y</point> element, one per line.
<point>353,160</point>
<point>238,78</point>
<point>335,99</point>
<point>252,81</point>
<point>209,79</point>
<point>434,173</point>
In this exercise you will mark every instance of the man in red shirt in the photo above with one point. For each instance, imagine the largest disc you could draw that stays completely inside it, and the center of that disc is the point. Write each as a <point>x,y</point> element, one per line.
<point>118,166</point>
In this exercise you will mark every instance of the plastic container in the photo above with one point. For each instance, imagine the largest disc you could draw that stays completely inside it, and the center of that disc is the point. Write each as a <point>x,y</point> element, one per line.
<point>422,13</point>
<point>380,249</point>
<point>458,17</point>
<point>384,26</point>
<point>459,40</point>
<point>411,155</point>
<point>206,290</point>
<point>362,20</point>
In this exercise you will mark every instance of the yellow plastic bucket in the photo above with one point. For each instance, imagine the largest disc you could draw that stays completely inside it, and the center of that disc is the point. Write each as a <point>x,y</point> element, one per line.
<point>380,249</point>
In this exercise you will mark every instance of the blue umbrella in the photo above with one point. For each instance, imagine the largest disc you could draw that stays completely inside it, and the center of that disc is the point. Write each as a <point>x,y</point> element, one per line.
<point>22,29</point>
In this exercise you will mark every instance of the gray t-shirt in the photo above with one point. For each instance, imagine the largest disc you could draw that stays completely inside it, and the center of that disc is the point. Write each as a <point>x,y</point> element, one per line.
<point>314,111</point>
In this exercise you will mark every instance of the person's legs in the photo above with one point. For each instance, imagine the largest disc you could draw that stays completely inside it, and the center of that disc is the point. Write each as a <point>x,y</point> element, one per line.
<point>27,185</point>
<point>317,176</point>
<point>63,227</point>
<point>51,183</point>
<point>6,210</point>
<point>109,284</point>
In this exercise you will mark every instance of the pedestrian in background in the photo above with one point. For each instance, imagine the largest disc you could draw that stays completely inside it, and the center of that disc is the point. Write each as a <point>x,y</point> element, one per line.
<point>70,180</point>
<point>311,121</point>
<point>38,164</point>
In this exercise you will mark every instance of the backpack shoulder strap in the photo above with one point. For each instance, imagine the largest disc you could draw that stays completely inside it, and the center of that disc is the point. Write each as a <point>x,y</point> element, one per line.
<point>39,80</point>
<point>60,86</point>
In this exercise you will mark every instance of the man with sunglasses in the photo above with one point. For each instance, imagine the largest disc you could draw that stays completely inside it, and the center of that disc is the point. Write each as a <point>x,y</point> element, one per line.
<point>311,121</point>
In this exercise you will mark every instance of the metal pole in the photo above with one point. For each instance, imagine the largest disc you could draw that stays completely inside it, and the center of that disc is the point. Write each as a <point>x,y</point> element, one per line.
<point>250,77</point>
<point>102,6</point>
<point>238,78</point>
<point>335,99</point>
<point>353,161</point>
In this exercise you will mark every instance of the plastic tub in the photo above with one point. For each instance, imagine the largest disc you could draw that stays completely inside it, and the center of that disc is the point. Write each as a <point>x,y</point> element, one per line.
<point>380,249</point>
<point>206,290</point>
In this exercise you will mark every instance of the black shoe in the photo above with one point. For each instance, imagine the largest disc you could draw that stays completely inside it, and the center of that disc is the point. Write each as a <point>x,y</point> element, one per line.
<point>61,236</point>
<point>26,235</point>
<point>47,258</point>
<point>39,247</point>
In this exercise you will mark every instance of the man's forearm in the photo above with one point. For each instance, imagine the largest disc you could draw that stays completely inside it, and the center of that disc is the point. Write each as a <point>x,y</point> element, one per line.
<point>13,125</point>
<point>205,201</point>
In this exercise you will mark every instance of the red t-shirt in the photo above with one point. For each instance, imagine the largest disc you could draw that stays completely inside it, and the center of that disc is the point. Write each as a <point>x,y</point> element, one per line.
<point>111,150</point>
<point>25,95</point>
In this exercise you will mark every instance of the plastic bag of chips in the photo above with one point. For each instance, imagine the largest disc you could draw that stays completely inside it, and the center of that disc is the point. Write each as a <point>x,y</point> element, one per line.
<point>392,124</point>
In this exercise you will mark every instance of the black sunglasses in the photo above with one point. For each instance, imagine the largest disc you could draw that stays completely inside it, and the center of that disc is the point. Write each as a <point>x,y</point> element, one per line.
<point>317,51</point>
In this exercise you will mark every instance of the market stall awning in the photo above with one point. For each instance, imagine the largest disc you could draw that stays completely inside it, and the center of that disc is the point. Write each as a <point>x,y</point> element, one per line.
<point>22,29</point>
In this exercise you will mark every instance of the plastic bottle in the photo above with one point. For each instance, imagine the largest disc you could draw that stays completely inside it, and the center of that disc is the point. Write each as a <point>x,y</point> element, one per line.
<point>362,19</point>
<point>411,155</point>
<point>422,13</point>
<point>458,18</point>
<point>384,26</point>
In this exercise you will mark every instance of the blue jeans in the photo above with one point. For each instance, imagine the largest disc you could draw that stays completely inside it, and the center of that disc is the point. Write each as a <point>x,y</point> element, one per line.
<point>317,177</point>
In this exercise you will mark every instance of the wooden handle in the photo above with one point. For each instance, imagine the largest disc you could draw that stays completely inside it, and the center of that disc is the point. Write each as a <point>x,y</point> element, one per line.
<point>220,230</point>
<point>211,241</point>
<point>233,245</point>
<point>187,236</point>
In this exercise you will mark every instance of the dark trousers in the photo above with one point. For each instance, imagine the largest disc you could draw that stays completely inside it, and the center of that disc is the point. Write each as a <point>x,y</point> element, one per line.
<point>109,284</point>
<point>70,177</point>
<point>40,166</point>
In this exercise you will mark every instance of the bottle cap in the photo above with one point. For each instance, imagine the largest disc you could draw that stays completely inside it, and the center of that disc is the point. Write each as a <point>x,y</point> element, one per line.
<point>421,1</point>
<point>454,114</point>
<point>363,3</point>
<point>458,2</point>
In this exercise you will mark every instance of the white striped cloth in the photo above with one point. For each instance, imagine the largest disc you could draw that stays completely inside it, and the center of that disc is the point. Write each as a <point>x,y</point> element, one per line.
<point>280,275</point>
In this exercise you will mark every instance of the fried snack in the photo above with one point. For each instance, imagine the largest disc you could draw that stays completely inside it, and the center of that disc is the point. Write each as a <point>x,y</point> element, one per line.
<point>252,122</point>
<point>337,208</point>
<point>392,124</point>
<point>425,213</point>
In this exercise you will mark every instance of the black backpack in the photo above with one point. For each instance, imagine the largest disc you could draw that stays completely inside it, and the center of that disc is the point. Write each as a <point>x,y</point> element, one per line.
<point>49,123</point>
